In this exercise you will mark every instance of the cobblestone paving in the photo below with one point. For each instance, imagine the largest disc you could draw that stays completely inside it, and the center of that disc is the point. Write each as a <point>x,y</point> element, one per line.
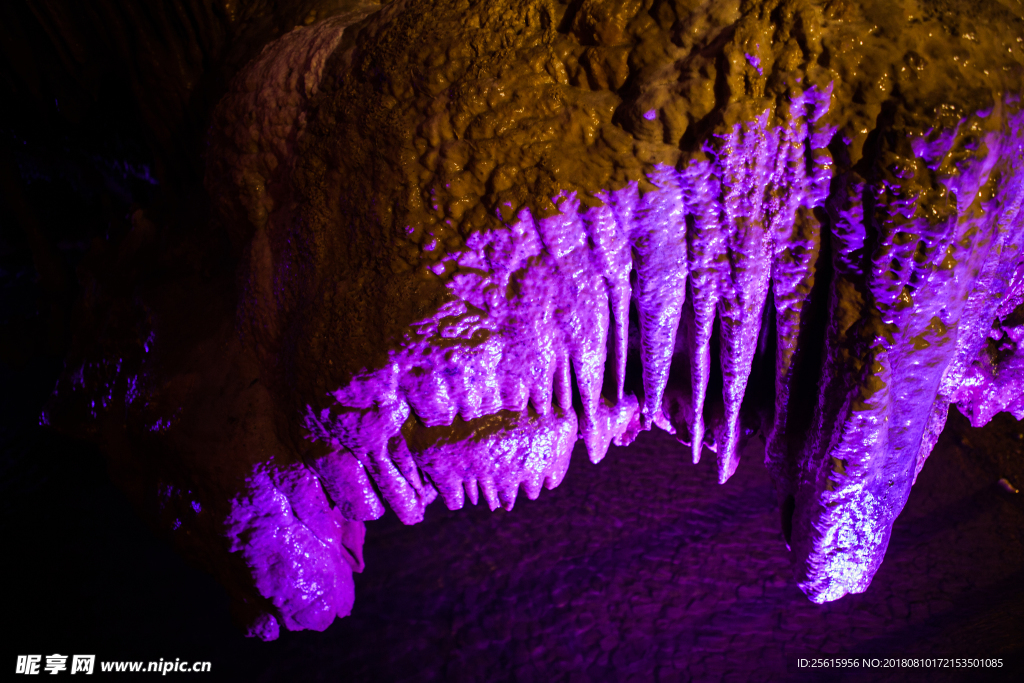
<point>642,568</point>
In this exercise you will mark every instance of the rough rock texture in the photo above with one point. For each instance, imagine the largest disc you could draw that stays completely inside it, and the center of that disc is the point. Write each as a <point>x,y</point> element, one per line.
<point>469,231</point>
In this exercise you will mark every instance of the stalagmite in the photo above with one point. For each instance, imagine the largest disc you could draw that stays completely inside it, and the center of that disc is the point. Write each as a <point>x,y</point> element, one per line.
<point>460,225</point>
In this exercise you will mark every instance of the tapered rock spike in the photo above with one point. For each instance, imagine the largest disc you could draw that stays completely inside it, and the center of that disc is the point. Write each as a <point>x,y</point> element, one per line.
<point>472,490</point>
<point>660,241</point>
<point>585,326</point>
<point>872,424</point>
<point>747,172</point>
<point>454,494</point>
<point>707,251</point>
<point>793,280</point>
<point>608,230</point>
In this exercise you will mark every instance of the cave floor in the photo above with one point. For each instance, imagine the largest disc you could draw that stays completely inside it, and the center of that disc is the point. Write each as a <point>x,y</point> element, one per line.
<point>640,568</point>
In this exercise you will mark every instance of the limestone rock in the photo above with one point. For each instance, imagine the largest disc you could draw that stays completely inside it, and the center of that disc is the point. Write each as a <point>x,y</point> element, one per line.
<point>469,232</point>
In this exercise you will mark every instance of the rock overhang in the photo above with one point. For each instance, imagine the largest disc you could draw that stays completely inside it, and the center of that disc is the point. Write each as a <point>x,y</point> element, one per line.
<point>446,212</point>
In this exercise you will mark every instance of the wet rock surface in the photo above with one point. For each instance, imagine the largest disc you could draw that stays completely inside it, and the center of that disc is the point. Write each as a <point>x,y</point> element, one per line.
<point>444,231</point>
<point>642,568</point>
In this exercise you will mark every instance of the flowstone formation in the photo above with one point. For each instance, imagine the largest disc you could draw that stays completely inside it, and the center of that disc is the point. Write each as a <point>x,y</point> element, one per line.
<point>466,234</point>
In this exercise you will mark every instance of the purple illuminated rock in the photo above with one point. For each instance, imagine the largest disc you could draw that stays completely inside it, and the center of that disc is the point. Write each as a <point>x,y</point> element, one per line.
<point>458,225</point>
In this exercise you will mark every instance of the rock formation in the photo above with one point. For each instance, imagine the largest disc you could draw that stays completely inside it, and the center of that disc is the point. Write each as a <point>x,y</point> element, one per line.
<point>466,233</point>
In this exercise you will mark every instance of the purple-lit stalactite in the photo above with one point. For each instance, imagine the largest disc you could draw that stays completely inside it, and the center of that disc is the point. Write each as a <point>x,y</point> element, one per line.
<point>301,550</point>
<point>750,206</point>
<point>910,343</point>
<point>485,352</point>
